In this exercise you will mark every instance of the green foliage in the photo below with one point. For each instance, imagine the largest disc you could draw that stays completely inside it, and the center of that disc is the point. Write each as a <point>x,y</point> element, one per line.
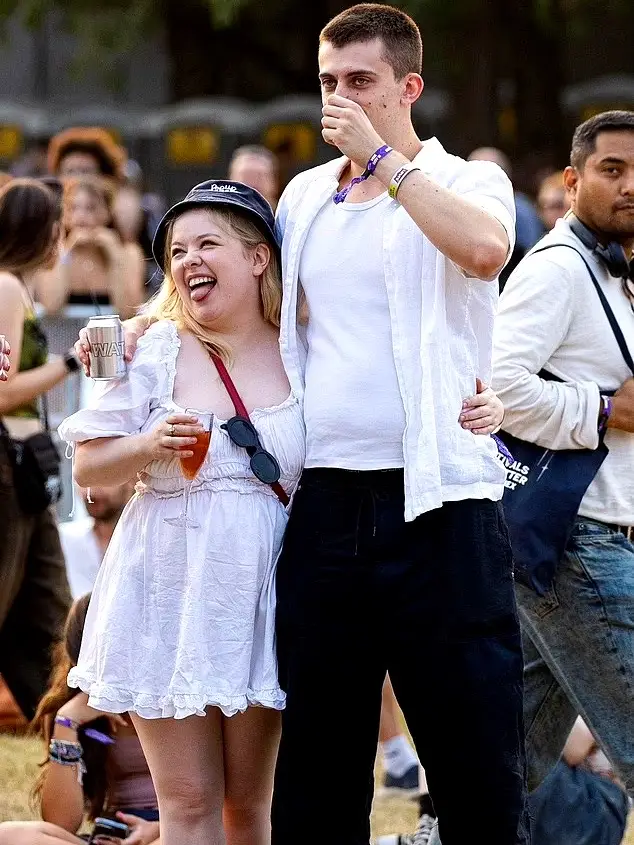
<point>224,12</point>
<point>135,14</point>
<point>546,13</point>
<point>110,28</point>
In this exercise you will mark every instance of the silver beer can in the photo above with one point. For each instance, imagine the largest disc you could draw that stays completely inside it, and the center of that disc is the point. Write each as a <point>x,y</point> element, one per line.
<point>105,334</point>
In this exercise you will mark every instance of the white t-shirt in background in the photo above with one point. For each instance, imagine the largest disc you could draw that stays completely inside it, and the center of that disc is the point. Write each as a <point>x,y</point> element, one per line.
<point>353,409</point>
<point>82,555</point>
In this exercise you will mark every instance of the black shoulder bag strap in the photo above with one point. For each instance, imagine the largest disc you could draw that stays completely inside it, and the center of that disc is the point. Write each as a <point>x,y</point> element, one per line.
<point>618,334</point>
<point>45,419</point>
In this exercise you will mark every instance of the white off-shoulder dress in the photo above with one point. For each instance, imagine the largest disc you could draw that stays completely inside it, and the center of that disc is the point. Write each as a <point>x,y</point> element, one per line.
<point>181,619</point>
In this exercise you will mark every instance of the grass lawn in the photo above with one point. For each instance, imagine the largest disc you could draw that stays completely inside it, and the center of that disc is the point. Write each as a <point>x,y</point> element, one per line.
<point>19,757</point>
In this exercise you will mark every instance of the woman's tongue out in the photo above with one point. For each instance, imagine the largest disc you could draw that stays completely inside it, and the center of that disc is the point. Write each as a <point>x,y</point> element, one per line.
<point>200,290</point>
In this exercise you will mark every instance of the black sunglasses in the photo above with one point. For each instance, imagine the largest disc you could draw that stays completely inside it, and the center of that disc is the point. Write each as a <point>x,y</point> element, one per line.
<point>243,433</point>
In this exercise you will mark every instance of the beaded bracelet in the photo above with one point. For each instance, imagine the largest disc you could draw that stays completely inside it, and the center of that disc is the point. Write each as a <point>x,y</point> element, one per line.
<point>81,767</point>
<point>370,167</point>
<point>64,751</point>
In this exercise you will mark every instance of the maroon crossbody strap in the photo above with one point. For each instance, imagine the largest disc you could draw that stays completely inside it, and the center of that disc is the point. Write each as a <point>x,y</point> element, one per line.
<point>241,411</point>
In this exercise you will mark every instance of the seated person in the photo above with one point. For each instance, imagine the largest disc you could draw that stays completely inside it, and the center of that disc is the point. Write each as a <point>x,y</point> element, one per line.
<point>95,765</point>
<point>580,802</point>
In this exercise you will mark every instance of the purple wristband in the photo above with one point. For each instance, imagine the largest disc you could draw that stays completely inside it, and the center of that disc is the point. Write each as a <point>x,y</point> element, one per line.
<point>104,739</point>
<point>370,167</point>
<point>66,722</point>
<point>502,449</point>
<point>604,416</point>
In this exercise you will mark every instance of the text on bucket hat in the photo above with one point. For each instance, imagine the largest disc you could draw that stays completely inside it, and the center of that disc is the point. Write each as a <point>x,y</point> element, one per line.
<point>218,192</point>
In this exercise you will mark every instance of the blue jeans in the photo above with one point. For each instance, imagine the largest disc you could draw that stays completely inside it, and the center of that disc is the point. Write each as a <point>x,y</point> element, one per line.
<point>579,652</point>
<point>574,806</point>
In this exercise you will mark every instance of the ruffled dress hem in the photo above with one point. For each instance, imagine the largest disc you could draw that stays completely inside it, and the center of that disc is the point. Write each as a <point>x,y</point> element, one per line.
<point>173,705</point>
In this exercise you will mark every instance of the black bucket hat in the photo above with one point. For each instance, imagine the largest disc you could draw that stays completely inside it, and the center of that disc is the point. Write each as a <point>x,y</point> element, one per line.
<point>218,192</point>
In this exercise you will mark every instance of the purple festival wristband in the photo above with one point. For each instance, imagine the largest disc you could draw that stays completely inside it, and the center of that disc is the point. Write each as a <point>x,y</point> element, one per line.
<point>502,448</point>
<point>370,167</point>
<point>604,416</point>
<point>104,739</point>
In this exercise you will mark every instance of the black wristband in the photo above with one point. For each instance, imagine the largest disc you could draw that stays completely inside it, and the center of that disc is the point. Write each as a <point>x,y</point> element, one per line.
<point>71,362</point>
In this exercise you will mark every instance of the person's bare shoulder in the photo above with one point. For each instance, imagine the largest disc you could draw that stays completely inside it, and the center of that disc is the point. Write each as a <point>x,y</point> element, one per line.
<point>11,290</point>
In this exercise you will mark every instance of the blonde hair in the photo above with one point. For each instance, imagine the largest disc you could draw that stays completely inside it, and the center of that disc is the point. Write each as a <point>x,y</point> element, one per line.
<point>168,305</point>
<point>100,188</point>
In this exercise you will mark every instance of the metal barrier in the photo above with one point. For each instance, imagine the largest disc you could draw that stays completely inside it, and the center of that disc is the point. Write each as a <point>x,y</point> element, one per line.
<point>62,330</point>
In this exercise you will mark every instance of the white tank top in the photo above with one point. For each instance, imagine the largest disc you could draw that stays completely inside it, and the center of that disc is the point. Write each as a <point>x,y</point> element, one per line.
<point>353,409</point>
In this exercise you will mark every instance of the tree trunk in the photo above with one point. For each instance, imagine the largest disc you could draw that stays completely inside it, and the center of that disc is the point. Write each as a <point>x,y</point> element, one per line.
<point>270,50</point>
<point>190,38</point>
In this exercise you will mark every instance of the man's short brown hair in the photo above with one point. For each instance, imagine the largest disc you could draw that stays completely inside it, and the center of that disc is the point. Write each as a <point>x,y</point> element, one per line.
<point>366,21</point>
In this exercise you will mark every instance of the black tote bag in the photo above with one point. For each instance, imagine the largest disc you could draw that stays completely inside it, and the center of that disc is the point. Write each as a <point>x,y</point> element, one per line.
<point>544,487</point>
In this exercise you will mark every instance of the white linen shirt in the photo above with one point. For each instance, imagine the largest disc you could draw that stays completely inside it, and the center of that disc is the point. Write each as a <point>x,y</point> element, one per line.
<point>550,317</point>
<point>441,322</point>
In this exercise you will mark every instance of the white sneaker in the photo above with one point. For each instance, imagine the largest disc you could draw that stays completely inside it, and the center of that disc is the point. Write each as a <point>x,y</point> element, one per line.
<point>421,835</point>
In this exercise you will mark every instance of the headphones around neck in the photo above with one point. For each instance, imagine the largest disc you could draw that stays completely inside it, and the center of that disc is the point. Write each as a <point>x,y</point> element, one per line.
<point>613,255</point>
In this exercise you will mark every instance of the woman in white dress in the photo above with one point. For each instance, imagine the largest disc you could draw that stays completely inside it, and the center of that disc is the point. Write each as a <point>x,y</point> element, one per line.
<point>181,621</point>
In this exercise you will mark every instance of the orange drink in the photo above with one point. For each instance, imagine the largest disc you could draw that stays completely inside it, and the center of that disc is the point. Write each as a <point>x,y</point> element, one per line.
<point>190,466</point>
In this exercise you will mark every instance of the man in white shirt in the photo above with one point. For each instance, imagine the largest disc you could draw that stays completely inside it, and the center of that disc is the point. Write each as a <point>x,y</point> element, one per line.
<point>84,541</point>
<point>396,555</point>
<point>579,637</point>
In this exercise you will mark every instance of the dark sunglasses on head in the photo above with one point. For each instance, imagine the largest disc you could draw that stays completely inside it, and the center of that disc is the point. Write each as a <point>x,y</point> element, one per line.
<point>243,433</point>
